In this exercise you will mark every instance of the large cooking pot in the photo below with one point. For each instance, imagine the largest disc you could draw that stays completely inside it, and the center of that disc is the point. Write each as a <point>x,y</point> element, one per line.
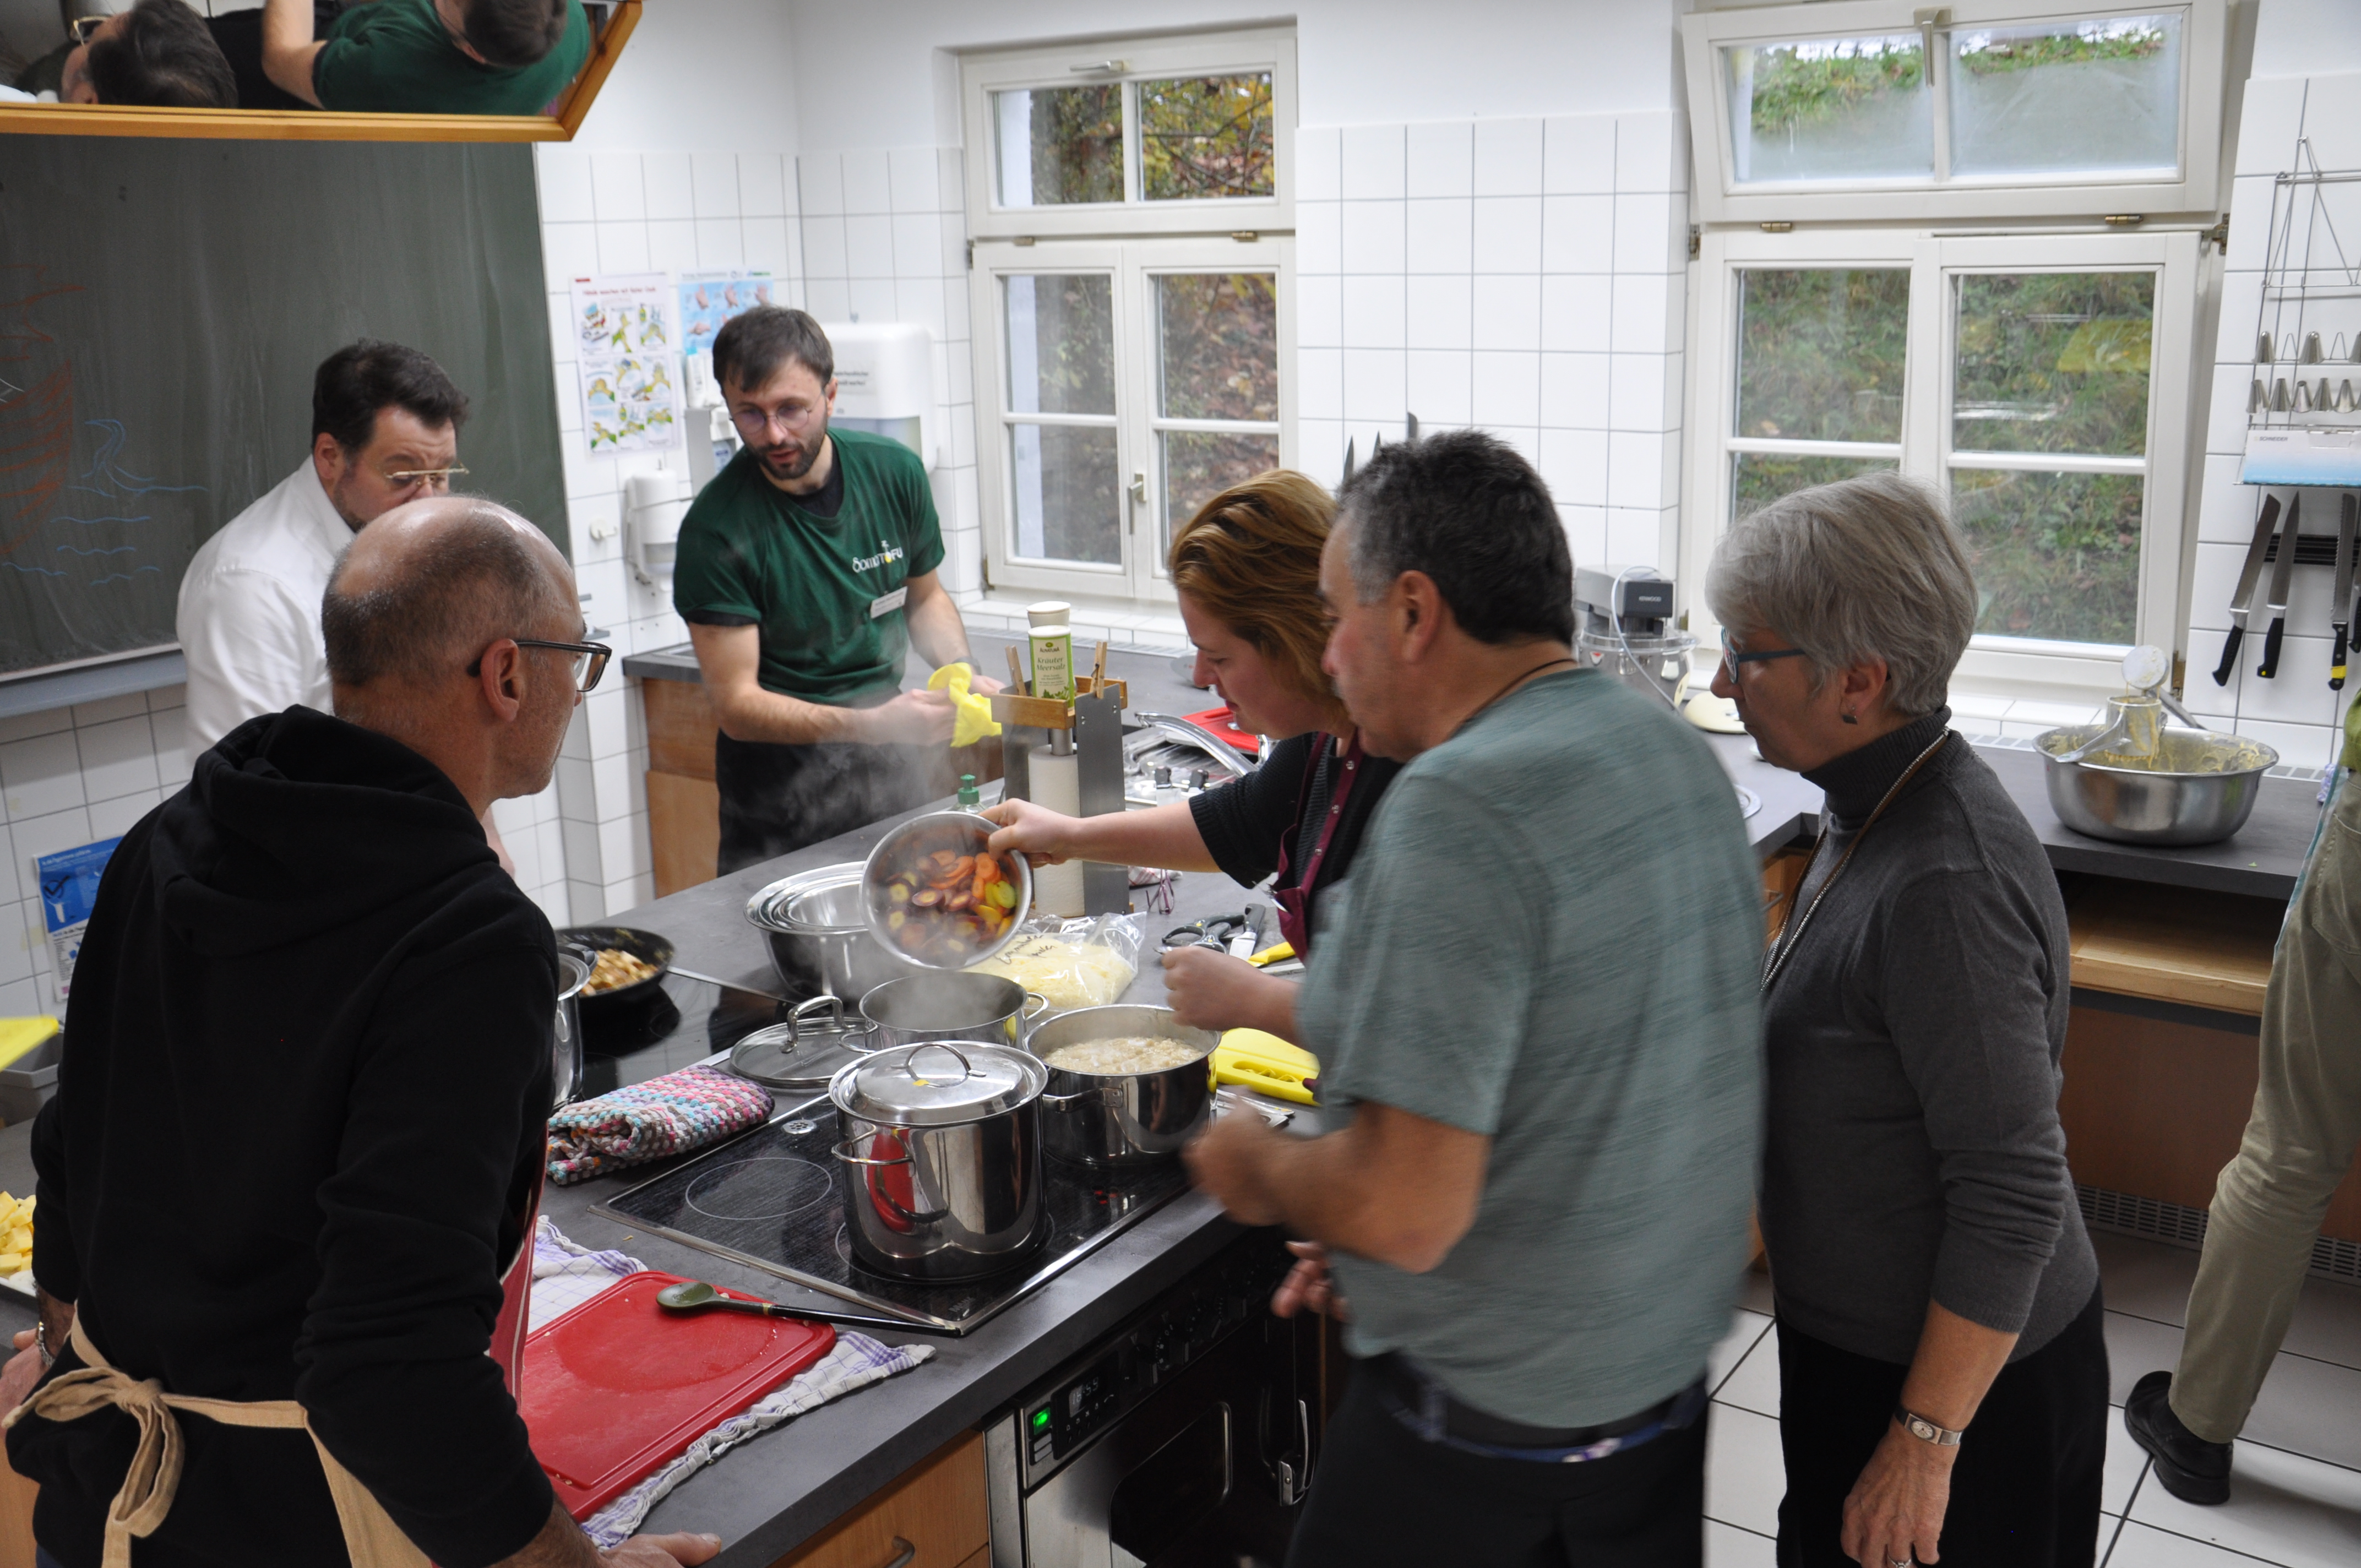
<point>1127,1119</point>
<point>2199,788</point>
<point>818,935</point>
<point>565,1040</point>
<point>953,1005</point>
<point>940,1159</point>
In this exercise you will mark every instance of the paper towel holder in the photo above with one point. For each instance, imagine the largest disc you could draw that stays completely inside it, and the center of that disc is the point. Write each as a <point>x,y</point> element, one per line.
<point>1092,726</point>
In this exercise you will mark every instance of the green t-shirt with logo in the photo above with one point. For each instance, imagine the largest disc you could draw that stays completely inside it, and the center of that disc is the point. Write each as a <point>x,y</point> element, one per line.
<point>750,554</point>
<point>396,57</point>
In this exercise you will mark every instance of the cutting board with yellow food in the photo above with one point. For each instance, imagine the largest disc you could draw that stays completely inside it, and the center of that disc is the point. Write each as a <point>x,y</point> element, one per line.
<point>16,1243</point>
<point>1268,1065</point>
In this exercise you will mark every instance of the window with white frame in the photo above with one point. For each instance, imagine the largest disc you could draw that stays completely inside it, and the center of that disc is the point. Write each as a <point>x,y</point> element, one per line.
<point>1131,206</point>
<point>2020,373</point>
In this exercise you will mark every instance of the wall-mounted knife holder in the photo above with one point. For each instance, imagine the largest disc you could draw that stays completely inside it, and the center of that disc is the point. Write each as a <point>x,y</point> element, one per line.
<point>1090,728</point>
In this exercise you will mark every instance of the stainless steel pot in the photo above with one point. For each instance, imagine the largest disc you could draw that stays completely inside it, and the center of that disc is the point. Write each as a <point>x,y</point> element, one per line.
<point>952,1005</point>
<point>565,1039</point>
<point>1133,1118</point>
<point>2199,787</point>
<point>818,933</point>
<point>940,1159</point>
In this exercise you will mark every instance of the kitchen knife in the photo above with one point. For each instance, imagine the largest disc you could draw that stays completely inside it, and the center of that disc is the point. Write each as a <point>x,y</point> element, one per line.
<point>2248,574</point>
<point>2282,575</point>
<point>2340,609</point>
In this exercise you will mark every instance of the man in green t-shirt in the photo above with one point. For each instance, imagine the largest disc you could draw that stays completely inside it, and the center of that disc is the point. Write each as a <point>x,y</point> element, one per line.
<point>425,57</point>
<point>1540,1049</point>
<point>806,571</point>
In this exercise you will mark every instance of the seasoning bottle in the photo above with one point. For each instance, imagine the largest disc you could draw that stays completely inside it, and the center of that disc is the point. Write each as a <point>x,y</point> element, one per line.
<point>1053,662</point>
<point>970,798</point>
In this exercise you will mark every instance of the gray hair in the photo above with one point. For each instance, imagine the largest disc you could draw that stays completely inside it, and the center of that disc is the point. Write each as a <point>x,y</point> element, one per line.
<point>477,580</point>
<point>1866,568</point>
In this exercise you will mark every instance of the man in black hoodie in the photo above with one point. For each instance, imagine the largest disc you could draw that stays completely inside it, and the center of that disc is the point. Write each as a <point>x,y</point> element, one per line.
<point>299,1130</point>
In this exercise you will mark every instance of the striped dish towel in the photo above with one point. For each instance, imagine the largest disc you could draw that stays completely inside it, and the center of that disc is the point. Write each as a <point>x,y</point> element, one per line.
<point>640,1122</point>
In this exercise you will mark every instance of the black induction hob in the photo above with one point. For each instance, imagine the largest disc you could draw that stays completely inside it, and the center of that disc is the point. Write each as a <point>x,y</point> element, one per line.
<point>770,1201</point>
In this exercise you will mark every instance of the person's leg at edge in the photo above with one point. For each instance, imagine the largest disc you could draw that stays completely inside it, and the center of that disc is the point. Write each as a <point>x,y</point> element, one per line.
<point>1834,1407</point>
<point>2026,1491</point>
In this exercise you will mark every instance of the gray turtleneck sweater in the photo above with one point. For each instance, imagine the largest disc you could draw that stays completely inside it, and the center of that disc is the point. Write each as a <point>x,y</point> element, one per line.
<point>1912,1037</point>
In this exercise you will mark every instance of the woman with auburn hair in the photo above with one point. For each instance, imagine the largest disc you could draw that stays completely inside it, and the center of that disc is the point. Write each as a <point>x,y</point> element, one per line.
<point>1247,571</point>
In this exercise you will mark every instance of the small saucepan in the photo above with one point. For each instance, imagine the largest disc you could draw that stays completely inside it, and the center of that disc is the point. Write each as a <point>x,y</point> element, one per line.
<point>956,1005</point>
<point>1122,1119</point>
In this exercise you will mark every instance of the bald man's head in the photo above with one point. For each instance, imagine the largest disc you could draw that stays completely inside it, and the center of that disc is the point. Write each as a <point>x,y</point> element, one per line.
<point>424,589</point>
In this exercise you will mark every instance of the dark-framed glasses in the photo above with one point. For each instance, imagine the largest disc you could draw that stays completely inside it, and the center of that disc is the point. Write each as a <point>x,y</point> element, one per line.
<point>1732,661</point>
<point>589,659</point>
<point>434,478</point>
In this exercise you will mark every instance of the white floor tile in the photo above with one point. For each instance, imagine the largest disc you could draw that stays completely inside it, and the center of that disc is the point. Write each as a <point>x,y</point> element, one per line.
<point>1755,1386</point>
<point>1726,1546</point>
<point>1745,1476</point>
<point>2126,1461</point>
<point>1745,1328</point>
<point>2140,1547</point>
<point>2307,1407</point>
<point>2283,1507</point>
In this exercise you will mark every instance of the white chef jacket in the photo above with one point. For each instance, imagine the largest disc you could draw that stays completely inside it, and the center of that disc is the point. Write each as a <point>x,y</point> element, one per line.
<point>250,616</point>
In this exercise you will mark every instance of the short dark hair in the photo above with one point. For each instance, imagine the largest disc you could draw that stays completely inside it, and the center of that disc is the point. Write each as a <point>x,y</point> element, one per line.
<point>481,581</point>
<point>163,57</point>
<point>514,33</point>
<point>356,381</point>
<point>749,350</point>
<point>1465,509</point>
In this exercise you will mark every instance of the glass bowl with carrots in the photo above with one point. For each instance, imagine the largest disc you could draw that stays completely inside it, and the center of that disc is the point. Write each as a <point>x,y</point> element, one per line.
<point>936,896</point>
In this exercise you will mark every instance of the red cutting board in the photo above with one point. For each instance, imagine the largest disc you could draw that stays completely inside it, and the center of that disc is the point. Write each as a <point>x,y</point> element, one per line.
<point>1224,728</point>
<point>619,1386</point>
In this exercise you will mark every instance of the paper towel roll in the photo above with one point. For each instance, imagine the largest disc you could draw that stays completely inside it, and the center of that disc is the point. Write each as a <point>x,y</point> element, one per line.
<point>1056,786</point>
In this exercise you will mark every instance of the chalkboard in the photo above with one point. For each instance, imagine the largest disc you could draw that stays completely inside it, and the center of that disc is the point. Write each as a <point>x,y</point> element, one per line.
<point>163,305</point>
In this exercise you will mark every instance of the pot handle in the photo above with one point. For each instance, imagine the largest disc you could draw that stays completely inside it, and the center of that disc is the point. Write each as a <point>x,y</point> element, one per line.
<point>1031,1011</point>
<point>838,1150</point>
<point>834,1003</point>
<point>909,1063</point>
<point>1105,1094</point>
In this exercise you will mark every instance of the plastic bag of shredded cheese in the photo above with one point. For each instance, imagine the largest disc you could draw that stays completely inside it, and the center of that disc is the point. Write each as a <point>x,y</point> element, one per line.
<point>1072,963</point>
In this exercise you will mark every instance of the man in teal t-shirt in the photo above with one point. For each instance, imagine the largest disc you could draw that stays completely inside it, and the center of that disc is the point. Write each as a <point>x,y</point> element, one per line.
<point>806,571</point>
<point>1541,1057</point>
<point>425,57</point>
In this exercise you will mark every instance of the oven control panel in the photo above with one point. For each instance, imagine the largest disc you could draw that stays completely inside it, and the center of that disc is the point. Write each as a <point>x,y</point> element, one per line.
<point>1175,1332</point>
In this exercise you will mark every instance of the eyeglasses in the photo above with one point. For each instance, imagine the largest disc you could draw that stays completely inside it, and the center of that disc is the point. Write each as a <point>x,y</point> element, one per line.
<point>759,420</point>
<point>589,659</point>
<point>432,478</point>
<point>80,28</point>
<point>1731,659</point>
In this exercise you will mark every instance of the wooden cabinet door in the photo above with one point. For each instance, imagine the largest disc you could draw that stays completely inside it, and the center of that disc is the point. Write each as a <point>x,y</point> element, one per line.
<point>934,1517</point>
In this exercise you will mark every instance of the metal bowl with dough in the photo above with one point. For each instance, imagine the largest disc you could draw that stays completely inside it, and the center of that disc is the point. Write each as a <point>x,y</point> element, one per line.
<point>2199,788</point>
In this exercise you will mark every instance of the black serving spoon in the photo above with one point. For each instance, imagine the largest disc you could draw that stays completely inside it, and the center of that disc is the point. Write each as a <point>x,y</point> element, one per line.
<point>695,1295</point>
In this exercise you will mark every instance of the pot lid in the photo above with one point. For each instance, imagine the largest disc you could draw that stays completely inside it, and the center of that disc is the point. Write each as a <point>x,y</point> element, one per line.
<point>817,1041</point>
<point>938,1083</point>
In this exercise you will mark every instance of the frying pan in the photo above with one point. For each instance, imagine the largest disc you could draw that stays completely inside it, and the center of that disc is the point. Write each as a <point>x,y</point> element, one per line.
<point>645,945</point>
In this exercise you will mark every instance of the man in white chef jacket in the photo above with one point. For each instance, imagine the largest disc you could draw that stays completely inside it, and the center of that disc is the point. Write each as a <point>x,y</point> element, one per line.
<point>385,430</point>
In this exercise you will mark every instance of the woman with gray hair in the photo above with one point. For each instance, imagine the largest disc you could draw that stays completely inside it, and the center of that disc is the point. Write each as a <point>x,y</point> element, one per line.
<point>1943,1373</point>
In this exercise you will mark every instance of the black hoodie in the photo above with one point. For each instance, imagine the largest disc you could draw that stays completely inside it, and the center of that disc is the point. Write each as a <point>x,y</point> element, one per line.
<point>301,1108</point>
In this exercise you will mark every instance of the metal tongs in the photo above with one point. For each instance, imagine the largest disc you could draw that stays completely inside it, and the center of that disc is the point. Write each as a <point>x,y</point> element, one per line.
<point>2136,723</point>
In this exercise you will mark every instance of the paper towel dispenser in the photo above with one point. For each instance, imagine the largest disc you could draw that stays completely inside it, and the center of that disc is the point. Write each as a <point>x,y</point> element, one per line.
<point>886,382</point>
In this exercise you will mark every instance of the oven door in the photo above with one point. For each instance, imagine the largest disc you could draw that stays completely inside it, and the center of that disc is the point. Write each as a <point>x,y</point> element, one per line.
<point>1210,1471</point>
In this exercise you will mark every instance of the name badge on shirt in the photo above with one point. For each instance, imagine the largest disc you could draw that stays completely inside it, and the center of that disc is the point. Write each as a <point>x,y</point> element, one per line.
<point>887,604</point>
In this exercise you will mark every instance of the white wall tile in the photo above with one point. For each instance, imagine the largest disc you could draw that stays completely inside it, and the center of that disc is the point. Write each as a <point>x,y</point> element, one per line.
<point>623,247</point>
<point>1650,152</point>
<point>1441,312</point>
<point>568,251</point>
<point>872,300</point>
<point>1374,164</point>
<point>1375,385</point>
<point>1320,383</point>
<point>828,298</point>
<point>1440,235</point>
<point>670,182</point>
<point>824,254</point>
<point>107,709</point>
<point>1646,315</point>
<point>1373,313</point>
<point>713,177</point>
<point>170,729</point>
<point>720,242</point>
<point>1441,158</point>
<point>1586,533</point>
<point>118,758</point>
<point>1319,163</point>
<point>112,818</point>
<point>1577,233</point>
<point>1638,469</point>
<point>163,697</point>
<point>1374,238</point>
<point>1578,156</point>
<point>914,174</point>
<point>1319,312</point>
<point>761,185</point>
<point>1634,536</point>
<point>1573,462</point>
<point>819,184</point>
<point>41,775</point>
<point>1507,234</point>
<point>615,187</point>
<point>1651,233</point>
<point>868,181</point>
<point>672,248</point>
<point>768,244</point>
<point>869,246</point>
<point>1575,393</point>
<point>1509,312</point>
<point>32,837</point>
<point>920,299</point>
<point>1442,388</point>
<point>1318,238</point>
<point>25,726</point>
<point>1640,391</point>
<point>1576,312</point>
<point>1508,389</point>
<point>561,177</point>
<point>1508,158</point>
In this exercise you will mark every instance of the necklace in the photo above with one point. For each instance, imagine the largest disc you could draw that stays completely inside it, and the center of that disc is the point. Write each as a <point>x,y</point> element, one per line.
<point>1794,932</point>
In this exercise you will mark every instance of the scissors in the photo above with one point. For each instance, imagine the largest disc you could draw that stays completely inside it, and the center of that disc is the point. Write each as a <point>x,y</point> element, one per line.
<point>1214,931</point>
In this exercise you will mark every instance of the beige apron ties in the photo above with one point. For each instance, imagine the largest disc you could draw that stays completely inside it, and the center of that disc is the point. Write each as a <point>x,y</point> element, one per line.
<point>146,1495</point>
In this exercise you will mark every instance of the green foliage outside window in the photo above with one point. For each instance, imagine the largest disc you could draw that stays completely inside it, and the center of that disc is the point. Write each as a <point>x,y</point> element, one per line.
<point>1206,137</point>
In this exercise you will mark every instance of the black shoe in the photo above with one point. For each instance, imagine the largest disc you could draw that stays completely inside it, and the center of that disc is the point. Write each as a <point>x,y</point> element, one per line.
<point>2188,1467</point>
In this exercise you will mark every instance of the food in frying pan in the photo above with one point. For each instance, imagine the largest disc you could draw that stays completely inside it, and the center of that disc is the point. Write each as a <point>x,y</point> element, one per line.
<point>614,970</point>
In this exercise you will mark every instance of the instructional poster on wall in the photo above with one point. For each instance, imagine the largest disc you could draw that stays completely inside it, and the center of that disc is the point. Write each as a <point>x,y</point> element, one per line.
<point>707,299</point>
<point>68,882</point>
<point>625,341</point>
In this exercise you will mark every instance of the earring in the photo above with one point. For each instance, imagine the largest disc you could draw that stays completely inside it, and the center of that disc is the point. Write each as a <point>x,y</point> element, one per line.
<point>1848,717</point>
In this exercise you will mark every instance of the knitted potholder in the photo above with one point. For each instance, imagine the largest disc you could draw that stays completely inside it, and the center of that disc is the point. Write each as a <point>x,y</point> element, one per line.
<point>668,1115</point>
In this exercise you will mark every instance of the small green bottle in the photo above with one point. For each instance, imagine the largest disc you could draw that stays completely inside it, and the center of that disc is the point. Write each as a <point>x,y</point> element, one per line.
<point>970,798</point>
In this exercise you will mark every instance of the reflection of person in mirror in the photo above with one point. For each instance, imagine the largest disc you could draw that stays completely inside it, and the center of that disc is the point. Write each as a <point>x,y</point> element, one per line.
<point>156,54</point>
<point>428,57</point>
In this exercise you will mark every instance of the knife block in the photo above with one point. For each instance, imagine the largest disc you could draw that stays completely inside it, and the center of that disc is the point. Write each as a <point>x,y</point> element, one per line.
<point>1092,725</point>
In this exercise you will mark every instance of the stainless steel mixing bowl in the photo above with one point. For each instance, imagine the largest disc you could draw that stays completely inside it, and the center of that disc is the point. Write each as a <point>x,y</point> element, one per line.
<point>2198,789</point>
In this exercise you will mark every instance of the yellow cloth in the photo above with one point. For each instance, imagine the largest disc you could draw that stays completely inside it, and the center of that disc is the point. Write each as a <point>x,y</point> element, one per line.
<point>372,1537</point>
<point>975,721</point>
<point>18,1036</point>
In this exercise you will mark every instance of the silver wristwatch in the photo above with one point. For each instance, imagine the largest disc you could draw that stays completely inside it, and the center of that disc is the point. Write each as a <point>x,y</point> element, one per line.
<point>1925,1430</point>
<point>41,1343</point>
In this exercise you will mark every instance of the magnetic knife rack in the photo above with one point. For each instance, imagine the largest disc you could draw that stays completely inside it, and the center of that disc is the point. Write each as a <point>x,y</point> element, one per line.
<point>1091,728</point>
<point>2272,538</point>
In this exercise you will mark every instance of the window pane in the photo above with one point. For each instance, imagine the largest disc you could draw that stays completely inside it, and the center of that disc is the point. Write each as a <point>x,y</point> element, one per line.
<point>1820,353</point>
<point>1061,343</point>
<point>1758,479</point>
<point>1199,465</point>
<point>1831,109</point>
<point>2056,556</point>
<point>1069,495</point>
<point>1060,145</point>
<point>2053,362</point>
<point>2099,96</point>
<point>1217,346</point>
<point>1206,137</point>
